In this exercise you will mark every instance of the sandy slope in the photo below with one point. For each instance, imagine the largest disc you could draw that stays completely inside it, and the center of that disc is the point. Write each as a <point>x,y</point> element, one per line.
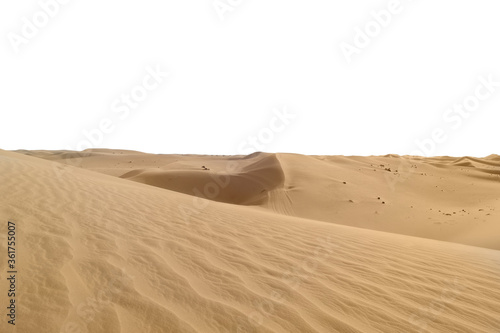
<point>98,253</point>
<point>438,198</point>
<point>443,198</point>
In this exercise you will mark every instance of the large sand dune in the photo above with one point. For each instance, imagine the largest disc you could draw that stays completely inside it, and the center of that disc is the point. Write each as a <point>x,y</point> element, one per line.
<point>280,243</point>
<point>443,198</point>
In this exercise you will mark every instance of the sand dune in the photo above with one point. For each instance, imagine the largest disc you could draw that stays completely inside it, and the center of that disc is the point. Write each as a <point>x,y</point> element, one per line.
<point>245,181</point>
<point>106,252</point>
<point>443,198</point>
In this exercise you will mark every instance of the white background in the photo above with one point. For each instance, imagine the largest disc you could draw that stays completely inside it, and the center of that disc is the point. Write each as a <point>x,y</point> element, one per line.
<point>226,76</point>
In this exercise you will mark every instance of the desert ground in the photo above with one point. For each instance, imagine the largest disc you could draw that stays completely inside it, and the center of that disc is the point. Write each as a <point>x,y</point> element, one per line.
<point>123,241</point>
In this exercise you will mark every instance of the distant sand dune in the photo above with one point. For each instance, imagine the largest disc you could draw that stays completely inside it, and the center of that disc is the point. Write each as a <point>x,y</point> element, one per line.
<point>99,253</point>
<point>247,182</point>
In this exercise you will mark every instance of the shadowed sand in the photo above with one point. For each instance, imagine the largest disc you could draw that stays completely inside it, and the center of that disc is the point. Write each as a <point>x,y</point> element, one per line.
<point>282,244</point>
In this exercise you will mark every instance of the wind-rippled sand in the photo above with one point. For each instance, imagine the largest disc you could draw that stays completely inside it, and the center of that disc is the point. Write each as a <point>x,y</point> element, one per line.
<point>117,241</point>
